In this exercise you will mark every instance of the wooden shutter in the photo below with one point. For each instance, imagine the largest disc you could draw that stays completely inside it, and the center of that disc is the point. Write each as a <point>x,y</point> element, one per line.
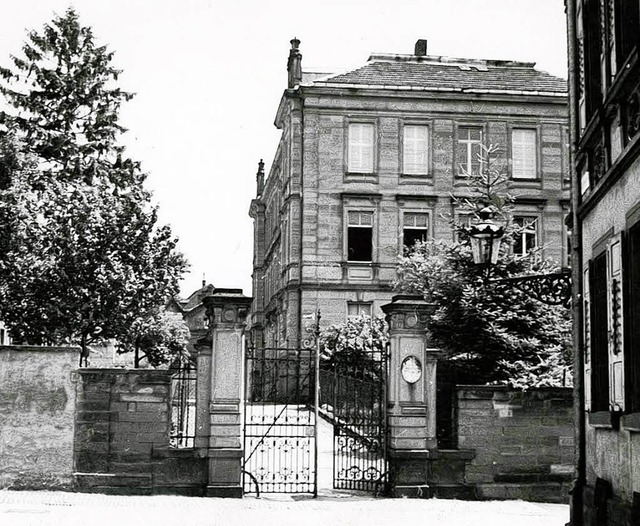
<point>615,303</point>
<point>586,327</point>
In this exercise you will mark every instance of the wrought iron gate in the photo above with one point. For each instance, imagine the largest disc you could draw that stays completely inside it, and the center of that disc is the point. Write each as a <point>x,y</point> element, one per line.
<point>353,394</point>
<point>280,421</point>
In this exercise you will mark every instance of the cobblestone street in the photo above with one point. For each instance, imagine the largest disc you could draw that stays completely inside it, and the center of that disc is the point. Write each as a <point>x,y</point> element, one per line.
<point>29,508</point>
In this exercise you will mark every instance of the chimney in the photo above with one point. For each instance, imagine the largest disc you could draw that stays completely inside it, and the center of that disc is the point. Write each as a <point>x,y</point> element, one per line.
<point>294,64</point>
<point>421,48</point>
<point>260,179</point>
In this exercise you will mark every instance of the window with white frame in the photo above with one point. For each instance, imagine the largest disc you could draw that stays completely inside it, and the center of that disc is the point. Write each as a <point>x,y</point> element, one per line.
<point>415,227</point>
<point>469,150</point>
<point>524,163</point>
<point>359,235</point>
<point>360,147</point>
<point>526,238</point>
<point>415,150</point>
<point>357,309</point>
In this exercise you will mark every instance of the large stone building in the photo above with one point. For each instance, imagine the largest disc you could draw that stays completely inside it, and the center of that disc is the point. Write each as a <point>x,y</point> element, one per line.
<point>604,42</point>
<point>369,161</point>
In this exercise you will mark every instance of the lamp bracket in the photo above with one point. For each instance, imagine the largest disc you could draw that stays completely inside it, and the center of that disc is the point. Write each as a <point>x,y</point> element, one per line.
<point>552,289</point>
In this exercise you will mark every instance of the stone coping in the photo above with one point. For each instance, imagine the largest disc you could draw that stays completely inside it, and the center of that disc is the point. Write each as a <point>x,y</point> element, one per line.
<point>40,348</point>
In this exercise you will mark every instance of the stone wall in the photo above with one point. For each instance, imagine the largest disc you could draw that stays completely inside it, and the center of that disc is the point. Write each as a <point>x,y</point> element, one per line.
<point>122,436</point>
<point>37,405</point>
<point>523,441</point>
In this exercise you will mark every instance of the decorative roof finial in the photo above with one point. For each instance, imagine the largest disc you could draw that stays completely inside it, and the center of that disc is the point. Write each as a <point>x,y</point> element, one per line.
<point>260,179</point>
<point>294,64</point>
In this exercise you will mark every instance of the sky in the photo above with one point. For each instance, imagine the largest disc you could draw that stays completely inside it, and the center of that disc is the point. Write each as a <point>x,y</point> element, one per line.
<point>208,76</point>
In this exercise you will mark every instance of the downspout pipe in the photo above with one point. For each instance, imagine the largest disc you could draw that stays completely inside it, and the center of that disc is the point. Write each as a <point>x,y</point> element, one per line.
<point>577,505</point>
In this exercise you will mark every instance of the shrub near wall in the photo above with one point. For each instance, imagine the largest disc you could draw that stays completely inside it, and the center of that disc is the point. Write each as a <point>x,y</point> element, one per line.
<point>523,441</point>
<point>37,405</point>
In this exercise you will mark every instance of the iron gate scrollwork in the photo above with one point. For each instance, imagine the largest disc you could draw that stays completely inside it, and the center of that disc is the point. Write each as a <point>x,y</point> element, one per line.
<point>353,394</point>
<point>279,421</point>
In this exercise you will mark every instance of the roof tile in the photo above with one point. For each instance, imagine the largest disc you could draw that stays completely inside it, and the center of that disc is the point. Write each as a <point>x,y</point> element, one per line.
<point>467,75</point>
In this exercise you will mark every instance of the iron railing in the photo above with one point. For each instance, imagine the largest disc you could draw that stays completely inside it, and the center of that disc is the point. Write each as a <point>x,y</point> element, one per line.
<point>183,406</point>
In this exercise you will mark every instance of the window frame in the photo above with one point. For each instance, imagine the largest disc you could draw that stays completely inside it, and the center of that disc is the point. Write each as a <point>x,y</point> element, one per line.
<point>535,231</point>
<point>359,304</point>
<point>427,172</point>
<point>348,226</point>
<point>351,170</point>
<point>536,153</point>
<point>457,147</point>
<point>416,212</point>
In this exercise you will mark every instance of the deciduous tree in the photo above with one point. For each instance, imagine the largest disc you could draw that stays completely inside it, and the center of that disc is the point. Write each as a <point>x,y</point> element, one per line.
<point>83,255</point>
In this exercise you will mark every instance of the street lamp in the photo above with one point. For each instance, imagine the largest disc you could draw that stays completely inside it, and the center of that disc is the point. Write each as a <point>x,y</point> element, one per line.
<point>485,238</point>
<point>553,288</point>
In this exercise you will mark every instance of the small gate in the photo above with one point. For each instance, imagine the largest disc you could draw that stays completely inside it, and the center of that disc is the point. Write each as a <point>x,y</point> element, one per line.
<point>280,421</point>
<point>353,394</point>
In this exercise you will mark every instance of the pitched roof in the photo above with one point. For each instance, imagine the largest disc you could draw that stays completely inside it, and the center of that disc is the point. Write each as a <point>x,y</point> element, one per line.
<point>432,73</point>
<point>195,298</point>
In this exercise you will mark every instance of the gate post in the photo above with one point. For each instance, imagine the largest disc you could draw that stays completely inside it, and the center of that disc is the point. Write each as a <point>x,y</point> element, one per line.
<point>219,398</point>
<point>417,467</point>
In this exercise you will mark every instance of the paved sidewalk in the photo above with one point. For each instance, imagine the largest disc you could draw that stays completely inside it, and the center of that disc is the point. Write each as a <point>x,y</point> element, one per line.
<point>31,508</point>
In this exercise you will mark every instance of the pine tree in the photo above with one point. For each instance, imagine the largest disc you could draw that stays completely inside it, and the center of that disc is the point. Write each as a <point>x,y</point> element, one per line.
<point>65,104</point>
<point>83,256</point>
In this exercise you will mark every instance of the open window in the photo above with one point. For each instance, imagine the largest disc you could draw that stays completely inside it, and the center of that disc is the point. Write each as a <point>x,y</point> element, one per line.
<point>359,236</point>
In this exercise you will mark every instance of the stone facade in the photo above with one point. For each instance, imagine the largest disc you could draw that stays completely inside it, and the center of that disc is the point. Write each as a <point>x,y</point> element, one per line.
<point>37,408</point>
<point>605,127</point>
<point>523,441</point>
<point>313,208</point>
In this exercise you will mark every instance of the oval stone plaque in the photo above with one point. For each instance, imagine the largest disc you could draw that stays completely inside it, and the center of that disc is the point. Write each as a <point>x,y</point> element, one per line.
<point>411,369</point>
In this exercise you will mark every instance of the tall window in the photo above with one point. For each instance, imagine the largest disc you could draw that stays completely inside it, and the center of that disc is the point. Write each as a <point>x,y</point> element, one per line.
<point>523,154</point>
<point>469,150</point>
<point>527,237</point>
<point>599,335</point>
<point>356,309</point>
<point>359,236</point>
<point>415,150</point>
<point>414,228</point>
<point>361,147</point>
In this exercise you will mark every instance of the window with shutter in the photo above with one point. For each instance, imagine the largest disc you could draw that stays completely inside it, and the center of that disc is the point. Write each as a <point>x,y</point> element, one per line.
<point>615,322</point>
<point>523,154</point>
<point>586,327</point>
<point>415,150</point>
<point>582,107</point>
<point>360,148</point>
<point>599,328</point>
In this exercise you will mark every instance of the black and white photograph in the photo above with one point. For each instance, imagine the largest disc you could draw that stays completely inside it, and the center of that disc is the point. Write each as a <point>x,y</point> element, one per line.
<point>342,262</point>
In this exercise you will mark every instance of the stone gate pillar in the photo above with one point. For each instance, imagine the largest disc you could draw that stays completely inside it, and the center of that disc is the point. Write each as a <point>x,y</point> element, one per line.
<point>417,467</point>
<point>219,396</point>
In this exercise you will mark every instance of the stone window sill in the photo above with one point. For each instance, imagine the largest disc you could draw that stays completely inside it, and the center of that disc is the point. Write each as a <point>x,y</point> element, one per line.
<point>631,422</point>
<point>356,177</point>
<point>416,179</point>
